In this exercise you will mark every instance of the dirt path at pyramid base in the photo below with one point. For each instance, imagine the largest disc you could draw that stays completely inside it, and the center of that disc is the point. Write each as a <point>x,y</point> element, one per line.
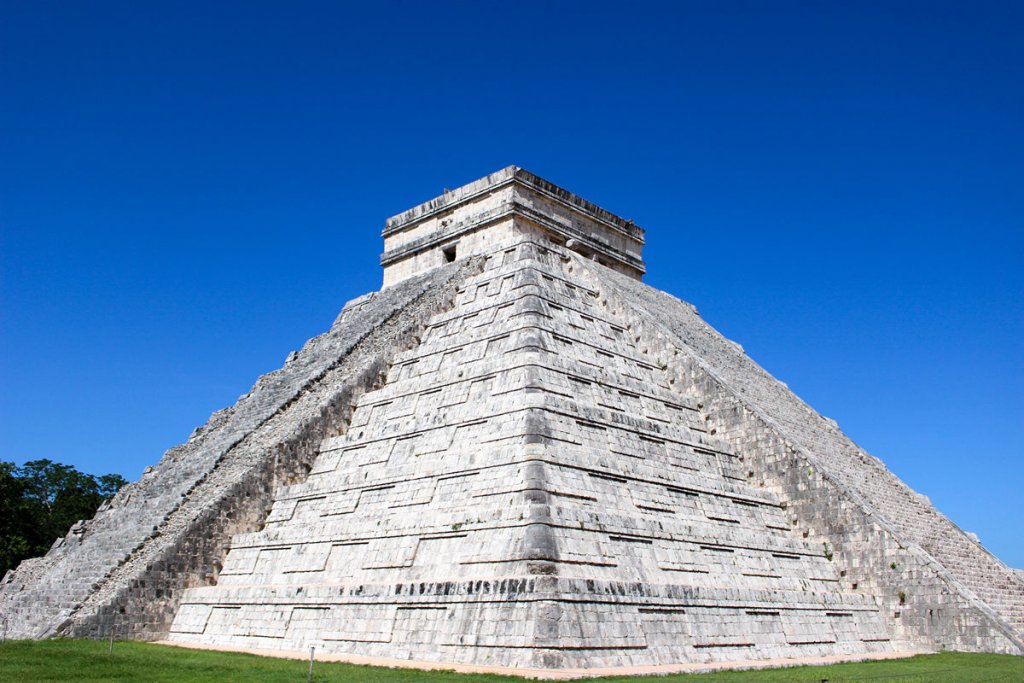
<point>562,674</point>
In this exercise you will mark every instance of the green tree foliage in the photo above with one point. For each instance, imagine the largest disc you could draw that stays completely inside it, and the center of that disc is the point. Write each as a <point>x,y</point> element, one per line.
<point>40,501</point>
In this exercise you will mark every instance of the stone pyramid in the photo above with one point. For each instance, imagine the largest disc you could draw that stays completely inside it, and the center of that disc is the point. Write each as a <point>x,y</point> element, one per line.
<point>517,455</point>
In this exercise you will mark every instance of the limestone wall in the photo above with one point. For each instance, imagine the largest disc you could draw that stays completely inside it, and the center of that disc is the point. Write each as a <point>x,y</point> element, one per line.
<point>126,567</point>
<point>942,589</point>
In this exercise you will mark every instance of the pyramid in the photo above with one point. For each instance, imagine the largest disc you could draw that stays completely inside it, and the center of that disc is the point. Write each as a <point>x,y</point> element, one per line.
<point>517,455</point>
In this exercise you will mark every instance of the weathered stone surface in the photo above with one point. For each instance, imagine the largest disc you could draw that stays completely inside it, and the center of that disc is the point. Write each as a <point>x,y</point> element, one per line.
<point>530,460</point>
<point>528,489</point>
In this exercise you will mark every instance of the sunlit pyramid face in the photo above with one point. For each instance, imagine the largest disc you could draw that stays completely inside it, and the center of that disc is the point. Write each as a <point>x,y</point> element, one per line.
<point>518,455</point>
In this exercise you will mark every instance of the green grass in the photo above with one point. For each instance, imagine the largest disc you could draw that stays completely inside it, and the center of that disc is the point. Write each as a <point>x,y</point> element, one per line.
<point>85,660</point>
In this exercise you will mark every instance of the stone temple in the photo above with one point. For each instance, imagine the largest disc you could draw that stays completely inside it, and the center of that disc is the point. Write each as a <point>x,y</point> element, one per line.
<point>518,455</point>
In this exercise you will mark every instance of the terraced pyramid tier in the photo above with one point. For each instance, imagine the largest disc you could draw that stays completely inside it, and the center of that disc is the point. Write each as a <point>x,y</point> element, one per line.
<point>528,489</point>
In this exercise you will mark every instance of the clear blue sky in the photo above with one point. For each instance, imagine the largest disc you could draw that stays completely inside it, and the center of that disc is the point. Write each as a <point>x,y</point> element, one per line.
<point>189,191</point>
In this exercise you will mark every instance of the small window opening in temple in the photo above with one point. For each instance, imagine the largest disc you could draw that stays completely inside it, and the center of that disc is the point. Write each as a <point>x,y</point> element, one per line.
<point>449,254</point>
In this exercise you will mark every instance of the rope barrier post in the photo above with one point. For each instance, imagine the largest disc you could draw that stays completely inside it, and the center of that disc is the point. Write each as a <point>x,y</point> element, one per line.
<point>312,649</point>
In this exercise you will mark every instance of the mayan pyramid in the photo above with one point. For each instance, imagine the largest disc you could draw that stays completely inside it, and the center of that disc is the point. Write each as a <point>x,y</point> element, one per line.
<point>516,454</point>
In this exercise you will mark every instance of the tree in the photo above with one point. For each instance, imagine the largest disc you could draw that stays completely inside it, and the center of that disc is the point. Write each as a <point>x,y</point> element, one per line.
<point>14,543</point>
<point>40,501</point>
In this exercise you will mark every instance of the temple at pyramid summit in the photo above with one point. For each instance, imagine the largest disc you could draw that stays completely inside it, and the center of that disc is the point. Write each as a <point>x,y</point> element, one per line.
<point>517,455</point>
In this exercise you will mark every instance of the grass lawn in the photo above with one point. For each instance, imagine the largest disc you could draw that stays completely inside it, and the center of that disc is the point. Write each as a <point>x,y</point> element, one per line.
<point>85,660</point>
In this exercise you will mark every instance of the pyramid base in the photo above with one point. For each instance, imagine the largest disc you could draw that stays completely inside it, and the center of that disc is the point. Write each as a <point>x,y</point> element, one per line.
<point>544,623</point>
<point>560,674</point>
